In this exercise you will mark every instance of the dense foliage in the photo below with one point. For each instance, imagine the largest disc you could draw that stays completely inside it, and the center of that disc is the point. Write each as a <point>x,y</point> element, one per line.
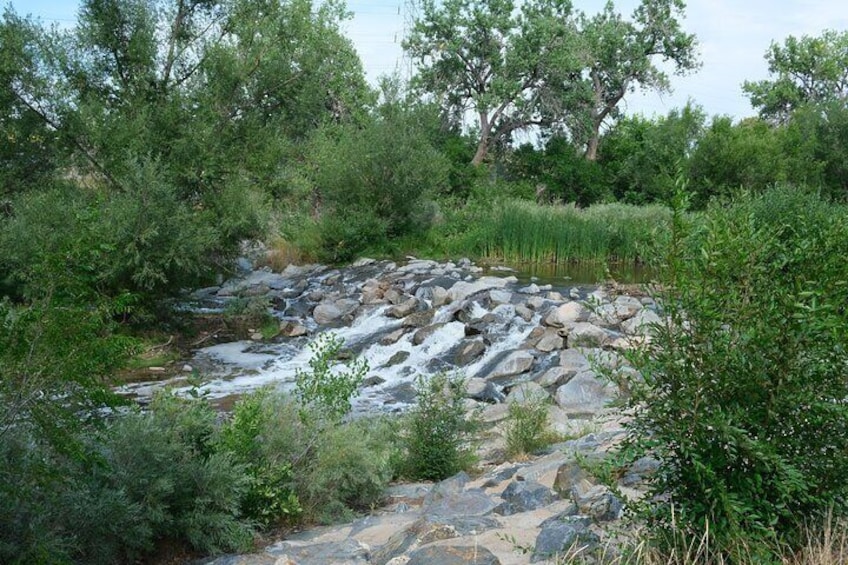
<point>744,396</point>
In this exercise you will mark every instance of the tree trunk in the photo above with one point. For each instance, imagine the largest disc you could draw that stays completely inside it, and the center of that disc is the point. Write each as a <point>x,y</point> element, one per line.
<point>485,137</point>
<point>592,146</point>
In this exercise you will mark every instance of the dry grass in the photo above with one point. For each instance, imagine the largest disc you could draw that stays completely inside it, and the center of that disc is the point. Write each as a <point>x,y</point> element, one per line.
<point>282,253</point>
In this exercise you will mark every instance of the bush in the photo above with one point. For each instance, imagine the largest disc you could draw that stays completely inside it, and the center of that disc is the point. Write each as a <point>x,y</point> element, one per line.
<point>528,428</point>
<point>438,434</point>
<point>744,403</point>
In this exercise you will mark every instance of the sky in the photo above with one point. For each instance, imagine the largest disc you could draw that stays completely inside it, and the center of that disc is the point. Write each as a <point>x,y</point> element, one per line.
<point>733,37</point>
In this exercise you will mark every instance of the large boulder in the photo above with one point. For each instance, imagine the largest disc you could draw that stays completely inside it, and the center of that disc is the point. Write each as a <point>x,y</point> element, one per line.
<point>452,555</point>
<point>462,290</point>
<point>523,496</point>
<point>567,314</point>
<point>403,309</point>
<point>642,323</point>
<point>515,363</point>
<point>468,352</point>
<point>586,394</point>
<point>549,341</point>
<point>584,334</point>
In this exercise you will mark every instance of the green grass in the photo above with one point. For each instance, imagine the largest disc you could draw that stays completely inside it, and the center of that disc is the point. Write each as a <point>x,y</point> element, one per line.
<point>520,231</point>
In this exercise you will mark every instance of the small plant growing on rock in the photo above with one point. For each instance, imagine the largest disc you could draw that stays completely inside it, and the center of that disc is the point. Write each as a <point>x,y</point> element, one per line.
<point>528,429</point>
<point>439,433</point>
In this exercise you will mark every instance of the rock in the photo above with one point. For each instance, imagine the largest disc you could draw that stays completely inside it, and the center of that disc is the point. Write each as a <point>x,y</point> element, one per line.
<point>394,296</point>
<point>524,312</point>
<point>597,502</point>
<point>554,377</point>
<point>346,552</point>
<point>392,337</point>
<point>528,392</point>
<point>568,313</point>
<point>440,296</point>
<point>549,341</point>
<point>397,359</point>
<point>363,262</point>
<point>500,297</point>
<point>573,361</point>
<point>469,352</point>
<point>373,380</point>
<point>423,334</point>
<point>452,555</point>
<point>256,336</point>
<point>532,288</point>
<point>476,327</point>
<point>561,536</point>
<point>523,496</point>
<point>483,391</point>
<point>418,319</point>
<point>536,303</point>
<point>583,334</point>
<point>641,323</point>
<point>569,475</point>
<point>515,363</point>
<point>642,468</point>
<point>626,307</point>
<point>462,290</point>
<point>585,393</point>
<point>289,328</point>
<point>403,309</point>
<point>327,313</point>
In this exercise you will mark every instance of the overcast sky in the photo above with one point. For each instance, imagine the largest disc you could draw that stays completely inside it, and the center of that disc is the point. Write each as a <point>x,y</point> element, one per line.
<point>733,37</point>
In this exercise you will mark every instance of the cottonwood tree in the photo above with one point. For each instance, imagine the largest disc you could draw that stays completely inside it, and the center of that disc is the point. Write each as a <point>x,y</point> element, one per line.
<point>806,70</point>
<point>542,63</point>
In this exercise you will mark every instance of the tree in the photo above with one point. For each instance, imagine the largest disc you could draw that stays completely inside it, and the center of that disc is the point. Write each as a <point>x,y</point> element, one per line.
<point>619,56</point>
<point>542,64</point>
<point>487,57</point>
<point>806,70</point>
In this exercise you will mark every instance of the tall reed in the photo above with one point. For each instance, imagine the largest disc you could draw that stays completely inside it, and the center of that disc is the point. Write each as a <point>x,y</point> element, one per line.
<point>521,231</point>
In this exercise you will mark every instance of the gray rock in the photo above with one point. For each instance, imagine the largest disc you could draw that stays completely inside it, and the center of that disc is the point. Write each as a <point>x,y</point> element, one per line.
<point>586,393</point>
<point>550,341</point>
<point>597,502</point>
<point>567,314</point>
<point>423,334</point>
<point>569,475</point>
<point>397,359</point>
<point>536,303</point>
<point>440,296</point>
<point>583,334</point>
<point>363,262</point>
<point>392,337</point>
<point>289,328</point>
<point>462,290</point>
<point>500,296</point>
<point>418,319</point>
<point>641,323</point>
<point>403,309</point>
<point>327,313</point>
<point>532,288</point>
<point>394,296</point>
<point>559,537</point>
<point>524,312</point>
<point>516,363</point>
<point>554,377</point>
<point>528,392</point>
<point>482,390</point>
<point>523,496</point>
<point>626,307</point>
<point>452,555</point>
<point>346,552</point>
<point>469,352</point>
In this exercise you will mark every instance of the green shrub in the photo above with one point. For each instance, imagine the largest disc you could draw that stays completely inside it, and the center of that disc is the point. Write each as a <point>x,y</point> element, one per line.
<point>438,435</point>
<point>528,428</point>
<point>350,471</point>
<point>744,403</point>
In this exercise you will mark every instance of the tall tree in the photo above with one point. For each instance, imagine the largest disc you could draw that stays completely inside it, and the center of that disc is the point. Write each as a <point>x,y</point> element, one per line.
<point>620,55</point>
<point>491,59</point>
<point>543,64</point>
<point>806,70</point>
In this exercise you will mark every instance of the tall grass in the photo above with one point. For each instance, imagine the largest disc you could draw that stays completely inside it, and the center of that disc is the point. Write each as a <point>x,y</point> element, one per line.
<point>521,231</point>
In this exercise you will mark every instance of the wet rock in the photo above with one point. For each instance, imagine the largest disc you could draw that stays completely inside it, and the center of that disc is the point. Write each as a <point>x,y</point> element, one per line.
<point>452,555</point>
<point>532,288</point>
<point>568,313</point>
<point>423,334</point>
<point>500,296</point>
<point>523,496</point>
<point>289,328</point>
<point>326,313</point>
<point>536,303</point>
<point>462,290</point>
<point>418,319</point>
<point>468,352</point>
<point>363,262</point>
<point>476,327</point>
<point>555,296</point>
<point>483,391</point>
<point>392,337</point>
<point>515,363</point>
<point>586,393</point>
<point>583,334</point>
<point>397,359</point>
<point>373,380</point>
<point>403,309</point>
<point>440,296</point>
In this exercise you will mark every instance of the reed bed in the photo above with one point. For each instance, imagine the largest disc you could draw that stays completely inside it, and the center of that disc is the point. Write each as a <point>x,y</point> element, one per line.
<point>521,231</point>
